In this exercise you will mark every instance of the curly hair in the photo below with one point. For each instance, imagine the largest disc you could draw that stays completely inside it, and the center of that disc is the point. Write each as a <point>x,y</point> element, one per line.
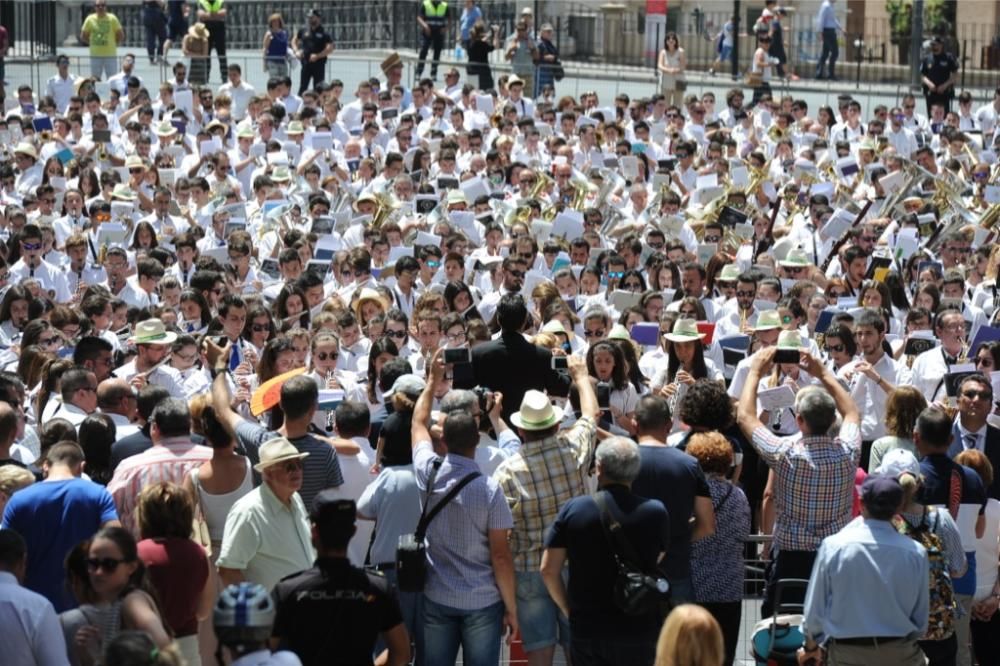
<point>902,409</point>
<point>706,405</point>
<point>713,451</point>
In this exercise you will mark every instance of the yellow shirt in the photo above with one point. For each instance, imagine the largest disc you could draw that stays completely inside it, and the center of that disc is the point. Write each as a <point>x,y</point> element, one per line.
<point>103,34</point>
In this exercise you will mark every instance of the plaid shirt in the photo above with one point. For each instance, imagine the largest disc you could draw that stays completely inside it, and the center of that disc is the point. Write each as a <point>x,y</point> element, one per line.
<point>815,481</point>
<point>538,480</point>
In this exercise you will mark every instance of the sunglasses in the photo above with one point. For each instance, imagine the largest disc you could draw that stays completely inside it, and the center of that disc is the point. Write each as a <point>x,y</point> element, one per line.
<point>48,342</point>
<point>984,360</point>
<point>259,328</point>
<point>516,273</point>
<point>31,246</point>
<point>713,239</point>
<point>982,395</point>
<point>399,335</point>
<point>108,564</point>
<point>292,466</point>
<point>835,348</point>
<point>323,356</point>
<point>616,275</point>
<point>746,294</point>
<point>594,334</point>
<point>136,170</point>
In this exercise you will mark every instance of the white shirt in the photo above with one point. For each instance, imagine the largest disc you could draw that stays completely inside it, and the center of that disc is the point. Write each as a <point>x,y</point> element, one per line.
<point>60,90</point>
<point>29,629</point>
<point>51,278</point>
<point>71,413</point>
<point>240,95</point>
<point>869,396</point>
<point>357,475</point>
<point>164,376</point>
<point>929,369</point>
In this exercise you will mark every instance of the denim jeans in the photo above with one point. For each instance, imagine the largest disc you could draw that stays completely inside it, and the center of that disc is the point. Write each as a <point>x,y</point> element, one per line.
<point>411,604</point>
<point>477,631</point>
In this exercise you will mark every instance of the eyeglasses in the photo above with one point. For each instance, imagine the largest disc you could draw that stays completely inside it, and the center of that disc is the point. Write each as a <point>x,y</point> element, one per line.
<point>909,106</point>
<point>835,349</point>
<point>594,334</point>
<point>48,342</point>
<point>456,337</point>
<point>323,356</point>
<point>109,564</point>
<point>689,314</point>
<point>982,395</point>
<point>260,328</point>
<point>190,358</point>
<point>399,335</point>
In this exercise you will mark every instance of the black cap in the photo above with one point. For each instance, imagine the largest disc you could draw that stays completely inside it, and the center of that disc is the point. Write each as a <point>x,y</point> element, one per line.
<point>329,508</point>
<point>315,12</point>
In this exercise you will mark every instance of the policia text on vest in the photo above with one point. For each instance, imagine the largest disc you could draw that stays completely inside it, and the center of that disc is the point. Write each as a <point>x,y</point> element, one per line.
<point>432,16</point>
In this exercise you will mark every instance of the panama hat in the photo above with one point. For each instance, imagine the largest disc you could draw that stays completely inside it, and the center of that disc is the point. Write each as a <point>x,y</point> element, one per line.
<point>134,161</point>
<point>123,192</point>
<point>536,413</point>
<point>618,332</point>
<point>369,294</point>
<point>456,197</point>
<point>295,127</point>
<point>25,148</point>
<point>685,330</point>
<point>246,132</point>
<point>729,273</point>
<point>281,174</point>
<point>199,30</point>
<point>514,80</point>
<point>165,128</point>
<point>391,62</point>
<point>768,320</point>
<point>795,258</point>
<point>367,196</point>
<point>152,332</point>
<point>275,451</point>
<point>790,340</point>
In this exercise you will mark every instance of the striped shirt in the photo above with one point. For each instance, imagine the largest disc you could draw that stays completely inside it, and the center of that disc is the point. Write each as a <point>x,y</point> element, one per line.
<point>320,469</point>
<point>170,460</point>
<point>815,479</point>
<point>538,480</point>
<point>460,568</point>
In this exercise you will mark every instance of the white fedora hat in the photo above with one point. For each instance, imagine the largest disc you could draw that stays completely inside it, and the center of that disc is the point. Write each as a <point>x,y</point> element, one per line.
<point>275,451</point>
<point>152,332</point>
<point>536,413</point>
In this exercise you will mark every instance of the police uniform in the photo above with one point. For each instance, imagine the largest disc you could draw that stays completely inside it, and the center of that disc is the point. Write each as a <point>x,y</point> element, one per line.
<point>312,42</point>
<point>435,15</point>
<point>333,612</point>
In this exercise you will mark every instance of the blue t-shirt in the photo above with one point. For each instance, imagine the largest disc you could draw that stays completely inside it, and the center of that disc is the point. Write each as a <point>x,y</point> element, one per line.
<point>54,516</point>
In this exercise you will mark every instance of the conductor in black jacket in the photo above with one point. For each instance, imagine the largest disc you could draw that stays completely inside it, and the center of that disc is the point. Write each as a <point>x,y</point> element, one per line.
<point>511,364</point>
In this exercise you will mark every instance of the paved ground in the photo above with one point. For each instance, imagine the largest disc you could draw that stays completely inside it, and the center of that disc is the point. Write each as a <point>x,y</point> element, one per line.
<point>352,67</point>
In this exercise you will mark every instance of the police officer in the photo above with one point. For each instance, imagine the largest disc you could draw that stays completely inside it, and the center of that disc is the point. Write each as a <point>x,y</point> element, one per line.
<point>311,46</point>
<point>432,16</point>
<point>213,15</point>
<point>332,612</point>
<point>938,73</point>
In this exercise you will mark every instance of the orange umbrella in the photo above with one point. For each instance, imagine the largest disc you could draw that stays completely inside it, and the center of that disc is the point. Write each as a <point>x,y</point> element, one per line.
<point>268,394</point>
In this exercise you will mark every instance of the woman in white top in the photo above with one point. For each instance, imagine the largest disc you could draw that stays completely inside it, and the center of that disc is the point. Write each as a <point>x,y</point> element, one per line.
<point>760,69</point>
<point>671,66</point>
<point>606,363</point>
<point>686,364</point>
<point>323,356</point>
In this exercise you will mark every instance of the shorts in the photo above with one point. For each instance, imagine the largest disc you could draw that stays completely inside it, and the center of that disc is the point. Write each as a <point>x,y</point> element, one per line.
<point>177,29</point>
<point>542,623</point>
<point>726,54</point>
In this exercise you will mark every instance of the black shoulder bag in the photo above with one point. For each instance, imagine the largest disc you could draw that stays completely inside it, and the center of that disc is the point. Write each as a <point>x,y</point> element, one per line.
<point>411,553</point>
<point>635,592</point>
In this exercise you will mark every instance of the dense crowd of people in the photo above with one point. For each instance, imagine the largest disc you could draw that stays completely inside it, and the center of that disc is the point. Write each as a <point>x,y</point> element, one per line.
<point>262,351</point>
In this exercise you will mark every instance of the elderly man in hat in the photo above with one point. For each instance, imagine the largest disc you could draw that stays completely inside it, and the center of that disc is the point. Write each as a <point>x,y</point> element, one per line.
<point>549,470</point>
<point>332,587</point>
<point>392,67</point>
<point>152,343</point>
<point>311,45</point>
<point>267,535</point>
<point>838,622</point>
<point>29,171</point>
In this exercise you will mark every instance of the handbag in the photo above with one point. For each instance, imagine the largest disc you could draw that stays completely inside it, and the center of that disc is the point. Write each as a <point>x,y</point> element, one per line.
<point>635,592</point>
<point>681,85</point>
<point>199,526</point>
<point>754,79</point>
<point>411,552</point>
<point>558,73</point>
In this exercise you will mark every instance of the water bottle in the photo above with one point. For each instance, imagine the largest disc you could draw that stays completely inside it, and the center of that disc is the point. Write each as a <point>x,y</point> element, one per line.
<point>459,52</point>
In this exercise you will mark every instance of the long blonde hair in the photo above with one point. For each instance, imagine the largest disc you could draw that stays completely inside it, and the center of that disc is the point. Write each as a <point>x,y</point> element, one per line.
<point>690,637</point>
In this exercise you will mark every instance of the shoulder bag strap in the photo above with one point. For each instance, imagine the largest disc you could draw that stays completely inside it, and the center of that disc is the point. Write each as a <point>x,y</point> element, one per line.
<point>425,520</point>
<point>431,478</point>
<point>620,546</point>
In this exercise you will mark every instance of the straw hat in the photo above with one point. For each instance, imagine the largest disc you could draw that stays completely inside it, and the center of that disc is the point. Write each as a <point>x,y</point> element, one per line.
<point>685,330</point>
<point>295,127</point>
<point>729,273</point>
<point>795,258</point>
<point>536,413</point>
<point>618,332</point>
<point>134,161</point>
<point>25,148</point>
<point>281,174</point>
<point>246,132</point>
<point>367,196</point>
<point>276,451</point>
<point>198,30</point>
<point>790,340</point>
<point>152,332</point>
<point>165,128</point>
<point>456,197</point>
<point>391,62</point>
<point>768,320</point>
<point>369,294</point>
<point>123,192</point>
<point>514,80</point>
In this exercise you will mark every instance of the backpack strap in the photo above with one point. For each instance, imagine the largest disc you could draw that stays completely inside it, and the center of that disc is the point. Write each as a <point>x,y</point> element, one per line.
<point>954,493</point>
<point>620,546</point>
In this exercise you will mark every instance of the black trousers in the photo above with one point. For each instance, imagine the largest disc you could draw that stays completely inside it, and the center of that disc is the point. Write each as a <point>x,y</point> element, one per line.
<point>312,71</point>
<point>435,40</point>
<point>217,41</point>
<point>786,564</point>
<point>940,653</point>
<point>585,651</point>
<point>830,50</point>
<point>155,24</point>
<point>728,614</point>
<point>986,640</point>
<point>944,99</point>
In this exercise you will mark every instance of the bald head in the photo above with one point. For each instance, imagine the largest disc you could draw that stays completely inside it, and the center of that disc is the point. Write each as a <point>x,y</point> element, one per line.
<point>115,396</point>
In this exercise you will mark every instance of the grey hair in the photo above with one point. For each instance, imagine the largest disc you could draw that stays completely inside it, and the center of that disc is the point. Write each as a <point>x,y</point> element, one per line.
<point>458,400</point>
<point>172,418</point>
<point>619,459</point>
<point>817,408</point>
